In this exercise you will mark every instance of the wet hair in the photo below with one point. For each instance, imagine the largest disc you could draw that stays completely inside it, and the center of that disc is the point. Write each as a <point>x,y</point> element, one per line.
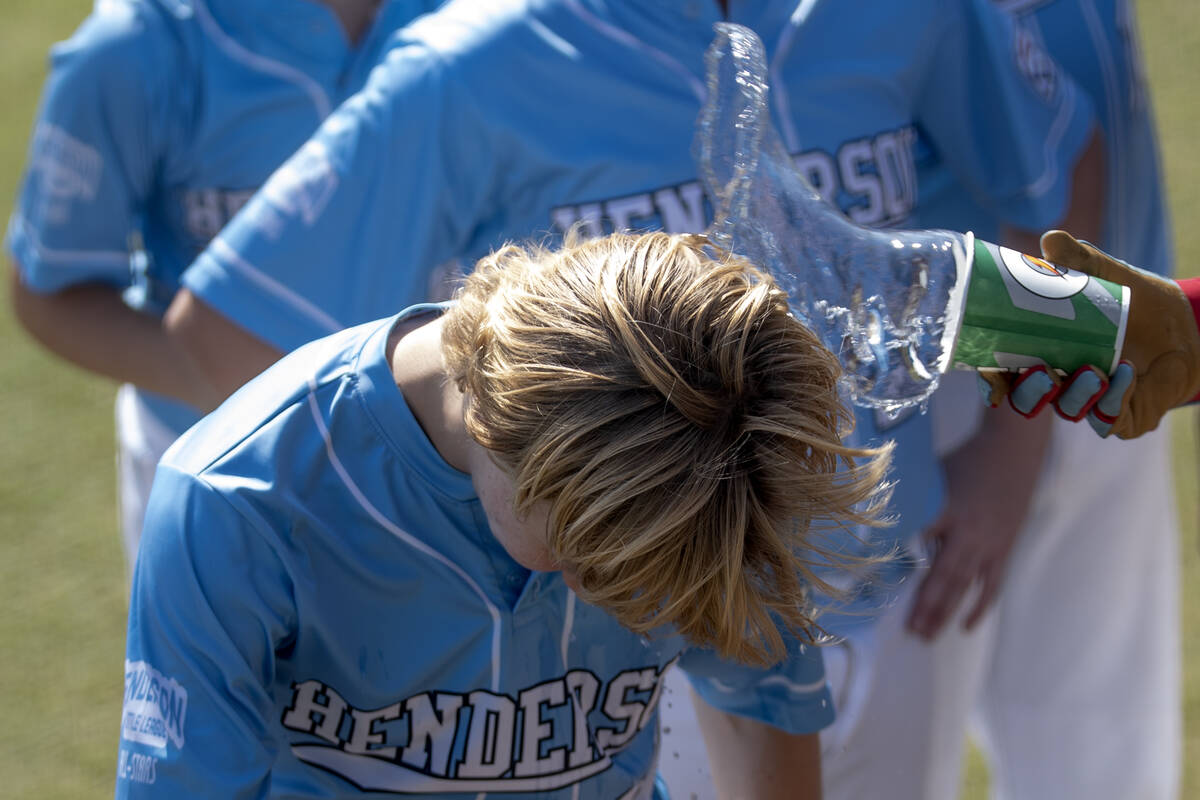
<point>684,428</point>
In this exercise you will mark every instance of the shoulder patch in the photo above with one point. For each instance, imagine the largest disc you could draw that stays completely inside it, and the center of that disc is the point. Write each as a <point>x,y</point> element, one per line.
<point>65,168</point>
<point>155,707</point>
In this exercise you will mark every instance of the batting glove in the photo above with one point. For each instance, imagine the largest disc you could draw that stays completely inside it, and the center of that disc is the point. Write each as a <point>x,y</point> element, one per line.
<point>1160,367</point>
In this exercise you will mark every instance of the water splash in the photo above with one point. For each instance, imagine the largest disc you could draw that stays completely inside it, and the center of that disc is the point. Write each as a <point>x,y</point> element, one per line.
<point>887,302</point>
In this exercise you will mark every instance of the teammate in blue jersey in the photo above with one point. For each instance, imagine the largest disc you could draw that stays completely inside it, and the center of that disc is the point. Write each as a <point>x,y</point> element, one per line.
<point>524,117</point>
<point>159,119</point>
<point>1062,696</point>
<point>454,552</point>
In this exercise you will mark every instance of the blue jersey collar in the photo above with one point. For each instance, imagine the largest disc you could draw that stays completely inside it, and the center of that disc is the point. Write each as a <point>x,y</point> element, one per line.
<point>387,406</point>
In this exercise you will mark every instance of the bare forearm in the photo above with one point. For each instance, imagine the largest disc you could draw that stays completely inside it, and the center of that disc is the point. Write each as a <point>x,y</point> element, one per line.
<point>226,354</point>
<point>1009,443</point>
<point>754,761</point>
<point>90,326</point>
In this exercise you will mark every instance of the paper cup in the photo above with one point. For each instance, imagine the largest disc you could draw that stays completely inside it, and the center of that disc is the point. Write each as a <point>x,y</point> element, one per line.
<point>1021,311</point>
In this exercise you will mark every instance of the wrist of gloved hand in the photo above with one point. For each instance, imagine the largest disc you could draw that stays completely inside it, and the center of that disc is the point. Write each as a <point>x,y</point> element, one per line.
<point>1191,290</point>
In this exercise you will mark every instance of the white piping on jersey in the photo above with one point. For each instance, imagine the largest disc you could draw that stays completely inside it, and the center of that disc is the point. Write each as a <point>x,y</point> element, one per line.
<point>50,255</point>
<point>222,250</point>
<point>568,626</point>
<point>1116,131</point>
<point>779,97</point>
<point>791,686</point>
<point>402,535</point>
<point>629,40</point>
<point>1058,129</point>
<point>1019,6</point>
<point>238,52</point>
<point>1044,182</point>
<point>774,680</point>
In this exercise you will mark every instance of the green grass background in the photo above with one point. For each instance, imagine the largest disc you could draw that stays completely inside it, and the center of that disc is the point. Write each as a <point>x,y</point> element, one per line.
<point>62,580</point>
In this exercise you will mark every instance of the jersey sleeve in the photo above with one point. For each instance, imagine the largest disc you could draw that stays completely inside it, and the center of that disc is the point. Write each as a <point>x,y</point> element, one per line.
<point>1006,120</point>
<point>97,138</point>
<point>792,695</point>
<point>353,226</point>
<point>210,607</point>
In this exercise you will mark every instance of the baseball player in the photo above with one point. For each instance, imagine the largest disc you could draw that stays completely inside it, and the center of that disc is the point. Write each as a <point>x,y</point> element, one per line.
<point>454,552</point>
<point>484,124</point>
<point>1059,688</point>
<point>159,119</point>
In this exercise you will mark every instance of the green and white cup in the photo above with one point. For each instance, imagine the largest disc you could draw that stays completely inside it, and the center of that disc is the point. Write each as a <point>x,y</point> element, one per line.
<point>1021,311</point>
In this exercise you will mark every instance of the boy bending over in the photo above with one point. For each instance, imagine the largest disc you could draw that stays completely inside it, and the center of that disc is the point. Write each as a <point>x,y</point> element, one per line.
<point>454,552</point>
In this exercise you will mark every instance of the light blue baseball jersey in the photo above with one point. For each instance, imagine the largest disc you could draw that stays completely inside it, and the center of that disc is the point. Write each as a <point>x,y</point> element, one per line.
<point>319,608</point>
<point>1095,42</point>
<point>526,117</point>
<point>159,119</point>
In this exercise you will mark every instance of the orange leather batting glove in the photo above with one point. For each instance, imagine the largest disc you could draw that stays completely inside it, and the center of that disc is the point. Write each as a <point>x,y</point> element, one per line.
<point>1161,357</point>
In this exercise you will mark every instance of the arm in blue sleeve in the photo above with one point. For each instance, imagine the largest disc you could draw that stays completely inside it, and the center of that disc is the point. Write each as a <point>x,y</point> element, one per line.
<point>96,142</point>
<point>352,227</point>
<point>211,605</point>
<point>792,695</point>
<point>1008,122</point>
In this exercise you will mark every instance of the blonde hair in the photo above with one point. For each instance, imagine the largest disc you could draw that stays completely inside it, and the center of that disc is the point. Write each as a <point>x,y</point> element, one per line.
<point>683,426</point>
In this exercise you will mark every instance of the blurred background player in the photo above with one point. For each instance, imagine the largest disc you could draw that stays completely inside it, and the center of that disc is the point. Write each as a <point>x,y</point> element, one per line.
<point>360,574</point>
<point>486,125</point>
<point>1063,696</point>
<point>159,119</point>
<point>901,701</point>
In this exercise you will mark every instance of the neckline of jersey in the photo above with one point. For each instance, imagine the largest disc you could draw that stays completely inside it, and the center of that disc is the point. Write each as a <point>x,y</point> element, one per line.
<point>386,404</point>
